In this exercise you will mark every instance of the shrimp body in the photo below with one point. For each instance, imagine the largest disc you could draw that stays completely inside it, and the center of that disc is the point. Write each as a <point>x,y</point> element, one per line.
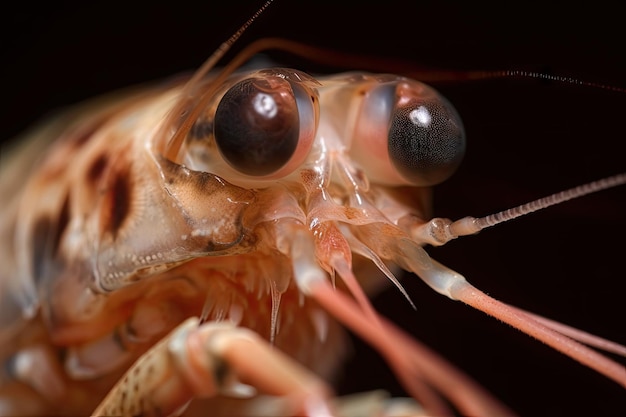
<point>105,255</point>
<point>159,205</point>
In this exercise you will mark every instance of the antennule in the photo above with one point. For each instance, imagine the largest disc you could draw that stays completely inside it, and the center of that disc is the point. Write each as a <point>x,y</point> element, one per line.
<point>541,203</point>
<point>482,75</point>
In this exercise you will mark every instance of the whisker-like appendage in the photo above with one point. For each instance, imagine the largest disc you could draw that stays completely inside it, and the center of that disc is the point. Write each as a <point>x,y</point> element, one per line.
<point>565,339</point>
<point>439,231</point>
<point>579,335</point>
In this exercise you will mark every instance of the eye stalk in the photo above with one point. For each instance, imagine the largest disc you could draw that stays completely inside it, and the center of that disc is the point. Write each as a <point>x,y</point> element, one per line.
<point>265,125</point>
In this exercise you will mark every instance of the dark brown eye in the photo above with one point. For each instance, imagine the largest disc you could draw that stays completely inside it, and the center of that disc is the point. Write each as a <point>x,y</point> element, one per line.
<point>257,125</point>
<point>407,133</point>
<point>426,140</point>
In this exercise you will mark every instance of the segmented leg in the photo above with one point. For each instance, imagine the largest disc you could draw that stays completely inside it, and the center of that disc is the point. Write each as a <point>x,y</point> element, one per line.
<point>210,359</point>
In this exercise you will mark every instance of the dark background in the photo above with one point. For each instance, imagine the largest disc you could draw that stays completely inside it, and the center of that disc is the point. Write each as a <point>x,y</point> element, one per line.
<point>527,138</point>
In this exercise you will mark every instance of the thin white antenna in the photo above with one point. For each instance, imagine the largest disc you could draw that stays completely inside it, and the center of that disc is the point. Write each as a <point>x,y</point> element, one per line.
<point>186,111</point>
<point>211,61</point>
<point>471,225</point>
<point>439,231</point>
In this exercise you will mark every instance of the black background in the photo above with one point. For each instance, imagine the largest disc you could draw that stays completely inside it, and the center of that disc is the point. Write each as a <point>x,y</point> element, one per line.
<point>526,139</point>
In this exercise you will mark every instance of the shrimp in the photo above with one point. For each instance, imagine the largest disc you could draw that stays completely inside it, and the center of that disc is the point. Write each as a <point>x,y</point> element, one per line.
<point>500,170</point>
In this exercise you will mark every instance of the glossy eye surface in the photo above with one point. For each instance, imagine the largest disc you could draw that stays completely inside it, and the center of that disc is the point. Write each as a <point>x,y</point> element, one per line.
<point>407,133</point>
<point>426,140</point>
<point>258,122</point>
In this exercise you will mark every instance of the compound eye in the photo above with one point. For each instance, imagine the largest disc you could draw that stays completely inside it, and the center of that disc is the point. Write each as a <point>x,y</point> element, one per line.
<point>261,122</point>
<point>426,139</point>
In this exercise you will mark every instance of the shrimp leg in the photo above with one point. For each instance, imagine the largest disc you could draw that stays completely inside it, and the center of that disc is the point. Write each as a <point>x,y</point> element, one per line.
<point>204,360</point>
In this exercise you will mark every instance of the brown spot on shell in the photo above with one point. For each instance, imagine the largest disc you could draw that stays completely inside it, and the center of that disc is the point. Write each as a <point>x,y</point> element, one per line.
<point>117,201</point>
<point>96,169</point>
<point>121,202</point>
<point>61,224</point>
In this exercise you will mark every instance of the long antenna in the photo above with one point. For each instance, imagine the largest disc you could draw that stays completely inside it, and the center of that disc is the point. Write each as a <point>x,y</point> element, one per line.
<point>542,76</point>
<point>185,112</point>
<point>211,61</point>
<point>439,231</point>
<point>471,225</point>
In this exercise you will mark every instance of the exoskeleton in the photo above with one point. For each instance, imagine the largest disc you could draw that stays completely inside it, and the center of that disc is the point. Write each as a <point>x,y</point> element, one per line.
<point>116,233</point>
